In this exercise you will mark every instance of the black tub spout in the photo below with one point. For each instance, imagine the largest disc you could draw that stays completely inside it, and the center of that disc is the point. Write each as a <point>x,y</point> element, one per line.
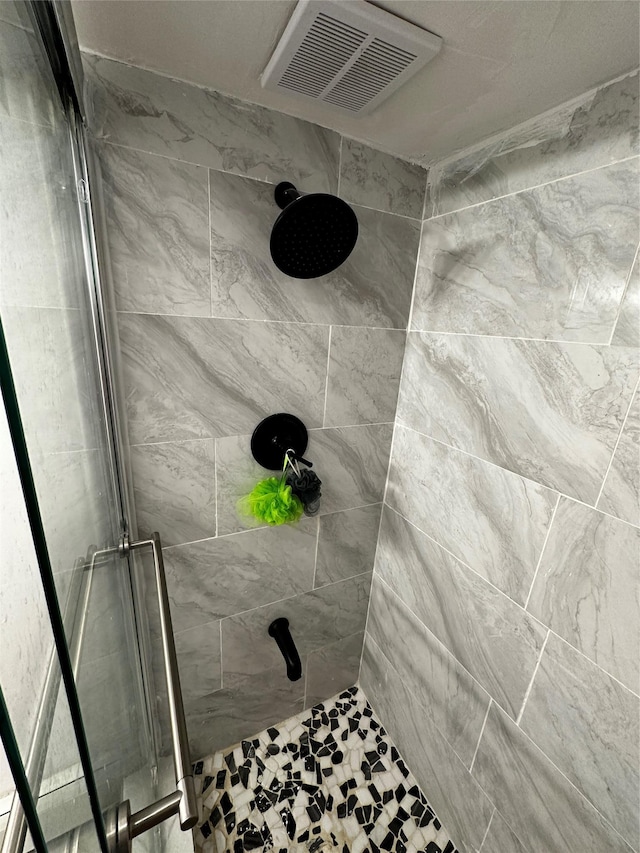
<point>279,630</point>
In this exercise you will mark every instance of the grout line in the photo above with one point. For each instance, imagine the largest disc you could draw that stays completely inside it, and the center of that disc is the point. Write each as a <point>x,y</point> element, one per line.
<point>447,651</point>
<point>462,563</point>
<point>559,341</point>
<point>221,659</point>
<point>624,293</point>
<point>241,175</point>
<point>596,665</point>
<point>535,187</point>
<point>315,559</point>
<point>535,672</point>
<point>475,751</point>
<point>241,319</point>
<point>580,793</point>
<point>615,448</point>
<point>427,712</point>
<point>478,458</point>
<point>339,165</point>
<point>486,832</point>
<point>215,479</point>
<point>544,545</point>
<point>295,595</point>
<point>210,245</point>
<point>326,380</point>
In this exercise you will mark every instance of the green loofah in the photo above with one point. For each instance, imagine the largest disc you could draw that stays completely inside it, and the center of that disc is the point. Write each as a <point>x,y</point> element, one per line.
<point>272,502</point>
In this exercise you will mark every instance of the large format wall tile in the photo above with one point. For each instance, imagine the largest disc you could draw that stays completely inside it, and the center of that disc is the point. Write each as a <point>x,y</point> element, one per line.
<point>534,797</point>
<point>454,700</point>
<point>242,708</point>
<point>351,462</point>
<point>193,377</point>
<point>547,263</point>
<point>144,110</point>
<point>347,543</point>
<point>373,287</point>
<point>454,794</point>
<point>175,490</point>
<point>219,577</point>
<point>333,668</point>
<point>627,331</point>
<point>588,723</point>
<point>550,412</point>
<point>375,179</point>
<point>158,230</point>
<point>621,492</point>
<point>491,518</point>
<point>602,130</point>
<point>493,638</point>
<point>198,651</point>
<point>364,375</point>
<point>586,588</point>
<point>316,619</point>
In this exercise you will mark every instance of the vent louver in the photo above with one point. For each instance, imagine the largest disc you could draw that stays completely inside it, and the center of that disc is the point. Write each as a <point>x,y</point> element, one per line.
<point>347,53</point>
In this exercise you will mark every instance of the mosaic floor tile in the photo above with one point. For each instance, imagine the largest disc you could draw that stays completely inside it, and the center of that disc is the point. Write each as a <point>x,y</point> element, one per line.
<point>329,778</point>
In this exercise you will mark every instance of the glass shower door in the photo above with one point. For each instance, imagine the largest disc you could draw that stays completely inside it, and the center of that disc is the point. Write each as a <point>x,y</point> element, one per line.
<point>71,669</point>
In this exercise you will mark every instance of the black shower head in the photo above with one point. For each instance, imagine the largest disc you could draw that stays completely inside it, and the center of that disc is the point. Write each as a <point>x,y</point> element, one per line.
<point>313,235</point>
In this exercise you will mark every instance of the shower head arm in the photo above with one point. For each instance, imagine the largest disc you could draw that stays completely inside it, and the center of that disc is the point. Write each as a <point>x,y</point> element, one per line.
<point>285,193</point>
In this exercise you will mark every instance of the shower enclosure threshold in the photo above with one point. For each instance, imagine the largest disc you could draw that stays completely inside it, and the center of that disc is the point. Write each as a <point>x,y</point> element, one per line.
<point>327,779</point>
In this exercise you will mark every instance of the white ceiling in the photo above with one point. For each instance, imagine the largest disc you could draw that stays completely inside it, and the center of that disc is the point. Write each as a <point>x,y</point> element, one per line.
<point>502,62</point>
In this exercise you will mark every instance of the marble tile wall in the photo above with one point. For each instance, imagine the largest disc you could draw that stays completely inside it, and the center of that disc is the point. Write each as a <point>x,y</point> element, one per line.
<point>213,339</point>
<point>501,649</point>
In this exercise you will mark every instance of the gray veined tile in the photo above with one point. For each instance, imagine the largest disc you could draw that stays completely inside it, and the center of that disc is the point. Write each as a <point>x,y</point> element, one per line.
<point>490,518</point>
<point>602,130</point>
<point>198,651</point>
<point>500,838</point>
<point>244,707</point>
<point>494,639</point>
<point>458,800</point>
<point>347,543</point>
<point>174,489</point>
<point>588,723</point>
<point>246,282</point>
<point>551,412</point>
<point>550,262</point>
<point>196,377</point>
<point>144,110</point>
<point>621,491</point>
<point>316,619</point>
<point>454,700</point>
<point>364,375</point>
<point>537,801</point>
<point>351,462</point>
<point>27,89</point>
<point>333,668</point>
<point>158,232</point>
<point>627,331</point>
<point>586,589</point>
<point>215,578</point>
<point>375,179</point>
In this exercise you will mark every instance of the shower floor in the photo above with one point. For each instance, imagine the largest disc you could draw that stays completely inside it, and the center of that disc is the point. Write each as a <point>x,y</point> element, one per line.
<point>326,778</point>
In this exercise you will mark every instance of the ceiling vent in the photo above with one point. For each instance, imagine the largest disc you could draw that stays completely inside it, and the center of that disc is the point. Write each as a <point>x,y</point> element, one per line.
<point>347,53</point>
